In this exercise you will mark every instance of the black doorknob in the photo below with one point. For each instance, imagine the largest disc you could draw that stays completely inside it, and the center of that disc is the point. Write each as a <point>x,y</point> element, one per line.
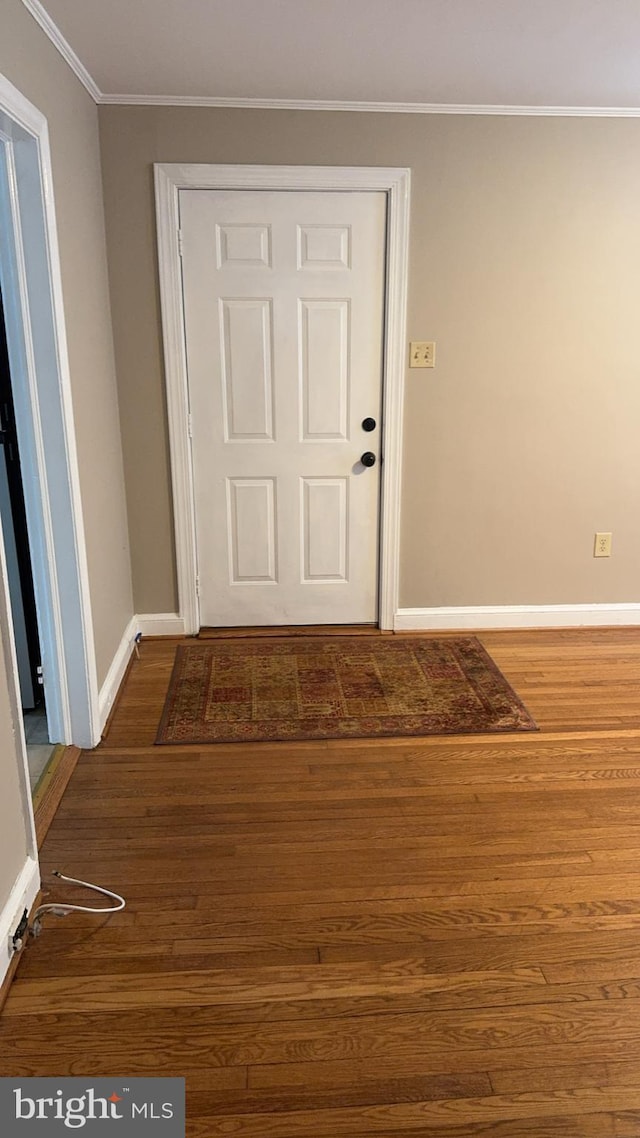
<point>368,458</point>
<point>368,424</point>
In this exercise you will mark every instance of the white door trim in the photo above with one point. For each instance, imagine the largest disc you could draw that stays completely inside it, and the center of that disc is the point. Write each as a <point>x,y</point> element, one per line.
<point>34,312</point>
<point>169,180</point>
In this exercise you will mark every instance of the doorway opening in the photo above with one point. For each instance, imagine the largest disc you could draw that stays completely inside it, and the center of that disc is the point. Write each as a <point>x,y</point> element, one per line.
<point>36,347</point>
<point>24,618</point>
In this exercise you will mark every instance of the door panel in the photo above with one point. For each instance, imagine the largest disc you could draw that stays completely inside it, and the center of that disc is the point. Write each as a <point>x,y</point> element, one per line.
<point>324,529</point>
<point>246,369</point>
<point>283,301</point>
<point>251,529</point>
<point>324,368</point>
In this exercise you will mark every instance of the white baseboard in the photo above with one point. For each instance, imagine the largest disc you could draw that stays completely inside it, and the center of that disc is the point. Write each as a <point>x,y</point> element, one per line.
<point>160,624</point>
<point>149,624</point>
<point>21,897</point>
<point>119,664</point>
<point>516,616</point>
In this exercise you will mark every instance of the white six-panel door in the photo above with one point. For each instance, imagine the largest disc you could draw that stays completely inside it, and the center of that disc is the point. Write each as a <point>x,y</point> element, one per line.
<point>283,304</point>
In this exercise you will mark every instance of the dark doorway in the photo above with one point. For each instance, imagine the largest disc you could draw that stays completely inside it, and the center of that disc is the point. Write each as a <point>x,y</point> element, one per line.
<point>16,541</point>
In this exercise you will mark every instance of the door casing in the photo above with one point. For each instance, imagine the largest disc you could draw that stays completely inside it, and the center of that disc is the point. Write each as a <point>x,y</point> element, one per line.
<point>395,183</point>
<point>36,337</point>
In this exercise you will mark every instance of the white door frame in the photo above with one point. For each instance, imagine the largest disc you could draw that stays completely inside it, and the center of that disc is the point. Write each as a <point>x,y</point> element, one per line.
<point>170,178</point>
<point>34,315</point>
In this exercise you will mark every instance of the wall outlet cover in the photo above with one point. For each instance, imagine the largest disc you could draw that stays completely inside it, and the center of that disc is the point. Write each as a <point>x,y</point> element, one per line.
<point>602,545</point>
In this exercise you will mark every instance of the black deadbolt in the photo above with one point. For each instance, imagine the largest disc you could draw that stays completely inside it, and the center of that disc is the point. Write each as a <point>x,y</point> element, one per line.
<point>368,424</point>
<point>368,458</point>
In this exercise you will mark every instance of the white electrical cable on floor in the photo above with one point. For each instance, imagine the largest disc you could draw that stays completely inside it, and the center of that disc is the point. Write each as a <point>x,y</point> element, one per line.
<point>60,909</point>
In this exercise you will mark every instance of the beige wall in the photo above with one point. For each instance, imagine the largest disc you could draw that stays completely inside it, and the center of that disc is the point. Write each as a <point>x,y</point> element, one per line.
<point>525,255</point>
<point>33,65</point>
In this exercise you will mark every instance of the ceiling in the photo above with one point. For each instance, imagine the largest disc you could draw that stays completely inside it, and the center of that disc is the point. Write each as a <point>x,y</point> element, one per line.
<point>458,53</point>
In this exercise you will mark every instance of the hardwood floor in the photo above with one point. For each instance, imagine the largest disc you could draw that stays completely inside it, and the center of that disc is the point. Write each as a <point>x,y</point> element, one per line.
<point>394,937</point>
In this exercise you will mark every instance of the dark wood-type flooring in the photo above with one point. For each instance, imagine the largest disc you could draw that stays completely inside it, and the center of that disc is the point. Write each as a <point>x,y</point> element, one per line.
<point>398,937</point>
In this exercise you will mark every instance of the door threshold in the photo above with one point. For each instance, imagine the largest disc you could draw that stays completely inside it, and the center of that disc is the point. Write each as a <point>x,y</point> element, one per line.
<point>208,633</point>
<point>50,790</point>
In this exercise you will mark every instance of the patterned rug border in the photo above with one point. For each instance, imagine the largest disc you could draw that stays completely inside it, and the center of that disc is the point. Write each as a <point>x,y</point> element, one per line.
<point>360,727</point>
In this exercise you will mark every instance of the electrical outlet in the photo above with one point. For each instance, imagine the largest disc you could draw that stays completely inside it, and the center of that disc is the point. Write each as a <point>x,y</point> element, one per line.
<point>602,547</point>
<point>422,353</point>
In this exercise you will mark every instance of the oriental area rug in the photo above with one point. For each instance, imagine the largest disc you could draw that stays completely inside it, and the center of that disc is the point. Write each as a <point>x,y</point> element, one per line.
<point>343,687</point>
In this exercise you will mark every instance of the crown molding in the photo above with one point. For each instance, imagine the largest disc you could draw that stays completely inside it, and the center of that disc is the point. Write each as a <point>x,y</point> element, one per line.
<point>363,106</point>
<point>66,51</point>
<point>52,30</point>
